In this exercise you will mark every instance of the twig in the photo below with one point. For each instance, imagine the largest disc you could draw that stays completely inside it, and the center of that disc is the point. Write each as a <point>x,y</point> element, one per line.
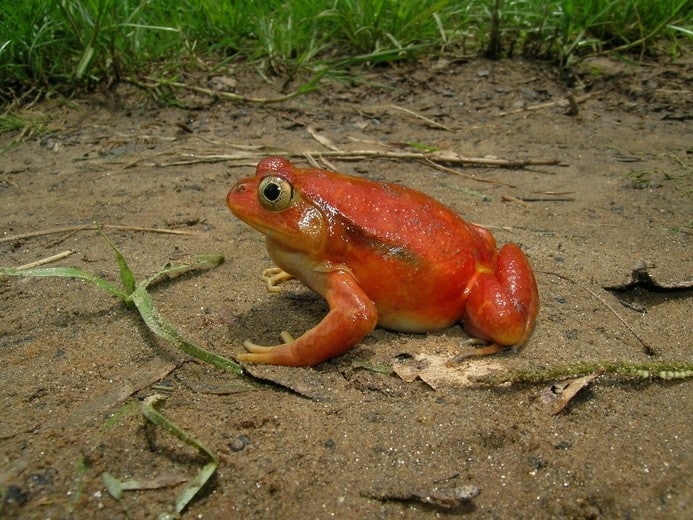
<point>47,260</point>
<point>444,156</point>
<point>156,83</point>
<point>423,118</point>
<point>94,227</point>
<point>465,175</point>
<point>559,102</point>
<point>650,351</point>
<point>325,141</point>
<point>311,160</point>
<point>516,200</point>
<point>548,199</point>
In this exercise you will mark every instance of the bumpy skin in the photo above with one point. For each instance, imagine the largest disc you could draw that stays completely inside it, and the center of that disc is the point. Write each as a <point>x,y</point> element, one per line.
<point>382,254</point>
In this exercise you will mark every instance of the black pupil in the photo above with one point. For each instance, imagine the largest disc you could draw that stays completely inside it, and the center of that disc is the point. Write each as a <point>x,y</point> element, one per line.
<point>272,192</point>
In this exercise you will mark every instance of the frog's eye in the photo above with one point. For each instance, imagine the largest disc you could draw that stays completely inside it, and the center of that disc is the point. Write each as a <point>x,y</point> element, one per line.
<point>275,193</point>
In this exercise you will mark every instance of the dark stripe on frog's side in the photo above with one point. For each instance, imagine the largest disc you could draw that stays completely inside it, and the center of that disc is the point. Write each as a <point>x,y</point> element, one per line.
<point>360,238</point>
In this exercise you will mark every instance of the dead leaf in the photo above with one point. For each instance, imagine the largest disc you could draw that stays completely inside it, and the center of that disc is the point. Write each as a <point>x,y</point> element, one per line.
<point>436,371</point>
<point>321,386</point>
<point>558,395</point>
<point>640,277</point>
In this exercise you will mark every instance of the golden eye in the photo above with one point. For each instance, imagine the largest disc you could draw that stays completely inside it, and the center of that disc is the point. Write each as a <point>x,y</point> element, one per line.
<point>275,193</point>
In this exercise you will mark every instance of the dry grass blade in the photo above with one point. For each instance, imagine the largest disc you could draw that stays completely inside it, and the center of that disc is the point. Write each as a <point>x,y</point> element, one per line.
<point>47,260</point>
<point>445,169</point>
<point>423,118</point>
<point>95,227</point>
<point>571,100</point>
<point>325,141</point>
<point>154,84</point>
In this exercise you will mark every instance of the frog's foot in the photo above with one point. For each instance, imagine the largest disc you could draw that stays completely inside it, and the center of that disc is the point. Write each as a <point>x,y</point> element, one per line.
<point>274,276</point>
<point>352,315</point>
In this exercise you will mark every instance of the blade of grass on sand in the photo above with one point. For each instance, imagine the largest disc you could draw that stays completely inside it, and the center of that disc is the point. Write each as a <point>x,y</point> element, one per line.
<point>116,487</point>
<point>126,276</point>
<point>155,417</point>
<point>137,295</point>
<point>166,331</point>
<point>65,272</point>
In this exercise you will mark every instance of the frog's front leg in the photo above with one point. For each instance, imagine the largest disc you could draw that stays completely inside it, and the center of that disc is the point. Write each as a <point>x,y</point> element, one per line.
<point>352,316</point>
<point>503,303</point>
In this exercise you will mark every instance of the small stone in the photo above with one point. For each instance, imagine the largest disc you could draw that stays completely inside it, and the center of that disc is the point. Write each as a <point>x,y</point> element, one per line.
<point>239,443</point>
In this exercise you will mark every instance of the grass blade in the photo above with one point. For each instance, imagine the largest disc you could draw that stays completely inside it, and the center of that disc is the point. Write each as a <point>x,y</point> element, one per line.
<point>66,272</point>
<point>126,276</point>
<point>166,331</point>
<point>158,419</point>
<point>137,295</point>
<point>200,261</point>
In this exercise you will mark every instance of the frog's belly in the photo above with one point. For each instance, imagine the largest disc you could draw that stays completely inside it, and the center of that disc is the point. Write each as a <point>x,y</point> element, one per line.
<point>402,322</point>
<point>416,320</point>
<point>407,298</point>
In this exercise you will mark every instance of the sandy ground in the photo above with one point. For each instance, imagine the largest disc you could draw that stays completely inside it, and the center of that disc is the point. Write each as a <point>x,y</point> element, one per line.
<point>337,440</point>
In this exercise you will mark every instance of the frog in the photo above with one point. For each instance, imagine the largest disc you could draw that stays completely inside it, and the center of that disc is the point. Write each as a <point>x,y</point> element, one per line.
<point>381,254</point>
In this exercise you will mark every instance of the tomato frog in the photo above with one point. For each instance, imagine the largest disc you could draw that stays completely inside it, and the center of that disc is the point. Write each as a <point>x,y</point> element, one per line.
<point>381,254</point>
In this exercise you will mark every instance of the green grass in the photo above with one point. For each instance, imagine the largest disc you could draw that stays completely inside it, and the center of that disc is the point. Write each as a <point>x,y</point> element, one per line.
<point>74,44</point>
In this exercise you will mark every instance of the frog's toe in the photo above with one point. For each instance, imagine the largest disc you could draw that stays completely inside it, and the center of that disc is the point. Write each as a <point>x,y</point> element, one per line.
<point>274,277</point>
<point>262,349</point>
<point>261,358</point>
<point>284,354</point>
<point>485,350</point>
<point>256,349</point>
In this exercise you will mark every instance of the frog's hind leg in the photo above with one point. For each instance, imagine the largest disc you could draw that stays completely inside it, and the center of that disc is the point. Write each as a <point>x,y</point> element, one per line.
<point>503,304</point>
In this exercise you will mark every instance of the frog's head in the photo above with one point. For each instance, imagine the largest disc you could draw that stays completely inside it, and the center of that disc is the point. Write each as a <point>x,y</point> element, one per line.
<point>272,202</point>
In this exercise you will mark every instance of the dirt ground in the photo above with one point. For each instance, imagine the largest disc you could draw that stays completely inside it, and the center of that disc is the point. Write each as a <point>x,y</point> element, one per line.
<point>337,440</point>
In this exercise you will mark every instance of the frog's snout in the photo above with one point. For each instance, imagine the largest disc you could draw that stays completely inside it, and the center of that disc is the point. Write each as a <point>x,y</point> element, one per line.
<point>236,191</point>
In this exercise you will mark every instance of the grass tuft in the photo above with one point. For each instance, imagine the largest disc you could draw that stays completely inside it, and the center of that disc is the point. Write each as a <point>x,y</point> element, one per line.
<point>78,44</point>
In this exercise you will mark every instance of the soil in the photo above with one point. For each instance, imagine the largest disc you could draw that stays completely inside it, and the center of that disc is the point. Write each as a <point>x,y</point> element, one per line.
<point>338,440</point>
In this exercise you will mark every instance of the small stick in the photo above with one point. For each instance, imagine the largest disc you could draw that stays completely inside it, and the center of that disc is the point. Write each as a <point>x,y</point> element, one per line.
<point>157,83</point>
<point>445,156</point>
<point>423,118</point>
<point>559,102</point>
<point>47,260</point>
<point>311,160</point>
<point>648,349</point>
<point>516,200</point>
<point>327,163</point>
<point>465,175</point>
<point>325,141</point>
<point>94,227</point>
<point>548,199</point>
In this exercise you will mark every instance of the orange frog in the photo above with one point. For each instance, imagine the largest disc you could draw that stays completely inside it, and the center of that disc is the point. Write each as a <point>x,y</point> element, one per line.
<point>381,254</point>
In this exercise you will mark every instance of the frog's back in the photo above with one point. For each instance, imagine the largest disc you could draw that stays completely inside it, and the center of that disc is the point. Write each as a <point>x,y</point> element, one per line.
<point>395,216</point>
